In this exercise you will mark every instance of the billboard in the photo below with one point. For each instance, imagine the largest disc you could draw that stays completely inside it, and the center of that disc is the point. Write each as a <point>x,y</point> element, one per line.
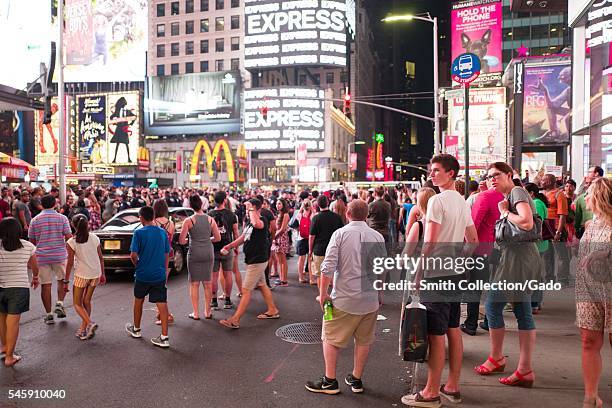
<point>284,33</point>
<point>295,115</point>
<point>9,123</point>
<point>47,145</point>
<point>547,104</point>
<point>487,127</point>
<point>193,103</point>
<point>108,128</point>
<point>477,29</point>
<point>105,41</point>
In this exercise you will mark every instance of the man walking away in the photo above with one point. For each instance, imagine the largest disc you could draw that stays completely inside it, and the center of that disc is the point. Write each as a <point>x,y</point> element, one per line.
<point>150,251</point>
<point>49,231</point>
<point>355,302</point>
<point>322,226</point>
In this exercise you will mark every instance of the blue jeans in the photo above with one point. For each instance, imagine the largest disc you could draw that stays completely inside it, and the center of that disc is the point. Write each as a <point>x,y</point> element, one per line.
<point>494,308</point>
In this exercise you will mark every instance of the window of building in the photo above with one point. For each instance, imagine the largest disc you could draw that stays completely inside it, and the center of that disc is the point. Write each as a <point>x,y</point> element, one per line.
<point>219,24</point>
<point>520,33</point>
<point>235,43</point>
<point>189,47</point>
<point>219,45</point>
<point>189,67</point>
<point>219,4</point>
<point>317,79</point>
<point>174,69</point>
<point>174,49</point>
<point>188,6</point>
<point>204,25</point>
<point>235,22</point>
<point>161,50</point>
<point>161,10</point>
<point>161,30</point>
<point>235,3</point>
<point>203,5</point>
<point>219,65</point>
<point>203,66</point>
<point>161,70</point>
<point>343,77</point>
<point>174,29</point>
<point>235,64</point>
<point>329,77</point>
<point>164,162</point>
<point>174,8</point>
<point>302,79</point>
<point>189,27</point>
<point>540,32</point>
<point>203,46</point>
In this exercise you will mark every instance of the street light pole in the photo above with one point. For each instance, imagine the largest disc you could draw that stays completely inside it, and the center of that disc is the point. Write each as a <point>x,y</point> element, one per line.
<point>62,106</point>
<point>434,21</point>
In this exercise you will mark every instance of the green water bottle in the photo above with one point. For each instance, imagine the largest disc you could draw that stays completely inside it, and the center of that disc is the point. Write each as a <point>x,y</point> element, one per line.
<point>329,308</point>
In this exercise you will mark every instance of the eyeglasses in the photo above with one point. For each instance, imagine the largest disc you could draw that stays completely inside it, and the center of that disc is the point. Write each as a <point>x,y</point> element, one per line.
<point>494,175</point>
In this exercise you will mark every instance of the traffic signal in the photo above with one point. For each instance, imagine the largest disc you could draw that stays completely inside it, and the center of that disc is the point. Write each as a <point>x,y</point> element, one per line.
<point>263,109</point>
<point>347,104</point>
<point>47,113</point>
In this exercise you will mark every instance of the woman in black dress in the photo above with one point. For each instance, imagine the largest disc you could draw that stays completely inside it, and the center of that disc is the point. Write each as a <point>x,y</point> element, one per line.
<point>122,118</point>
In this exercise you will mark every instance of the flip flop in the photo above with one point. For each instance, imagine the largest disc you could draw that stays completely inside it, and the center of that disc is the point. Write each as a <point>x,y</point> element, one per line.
<point>192,316</point>
<point>17,359</point>
<point>229,324</point>
<point>265,316</point>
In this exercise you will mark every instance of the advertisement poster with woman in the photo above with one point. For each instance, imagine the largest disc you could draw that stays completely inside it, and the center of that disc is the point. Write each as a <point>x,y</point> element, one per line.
<point>477,29</point>
<point>547,105</point>
<point>123,128</point>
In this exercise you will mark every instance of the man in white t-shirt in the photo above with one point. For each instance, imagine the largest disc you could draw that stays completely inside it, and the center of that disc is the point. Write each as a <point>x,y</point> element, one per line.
<point>449,221</point>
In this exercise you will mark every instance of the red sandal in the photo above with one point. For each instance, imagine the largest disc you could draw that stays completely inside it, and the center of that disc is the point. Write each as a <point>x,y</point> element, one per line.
<point>520,380</point>
<point>484,370</point>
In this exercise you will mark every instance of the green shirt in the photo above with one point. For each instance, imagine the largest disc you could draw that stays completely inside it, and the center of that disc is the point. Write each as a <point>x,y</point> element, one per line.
<point>542,211</point>
<point>582,214</point>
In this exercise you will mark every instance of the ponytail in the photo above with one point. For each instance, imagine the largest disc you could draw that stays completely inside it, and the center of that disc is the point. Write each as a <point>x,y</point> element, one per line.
<point>81,226</point>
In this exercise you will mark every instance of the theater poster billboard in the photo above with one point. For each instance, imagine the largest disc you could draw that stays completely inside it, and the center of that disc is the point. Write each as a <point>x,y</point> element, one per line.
<point>79,32</point>
<point>477,29</point>
<point>47,136</point>
<point>92,127</point>
<point>547,104</point>
<point>122,128</point>
<point>487,127</point>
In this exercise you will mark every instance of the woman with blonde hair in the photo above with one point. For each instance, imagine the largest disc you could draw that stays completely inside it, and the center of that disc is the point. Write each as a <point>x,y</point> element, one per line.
<point>417,230</point>
<point>594,287</point>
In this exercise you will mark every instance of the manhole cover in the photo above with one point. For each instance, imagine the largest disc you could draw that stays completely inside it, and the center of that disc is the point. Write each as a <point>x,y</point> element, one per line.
<point>300,333</point>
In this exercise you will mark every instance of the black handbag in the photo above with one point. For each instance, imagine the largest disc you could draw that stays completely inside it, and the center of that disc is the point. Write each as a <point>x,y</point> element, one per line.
<point>507,232</point>
<point>414,340</point>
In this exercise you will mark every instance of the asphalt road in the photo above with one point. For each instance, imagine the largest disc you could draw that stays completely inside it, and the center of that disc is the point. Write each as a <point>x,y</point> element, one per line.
<point>207,364</point>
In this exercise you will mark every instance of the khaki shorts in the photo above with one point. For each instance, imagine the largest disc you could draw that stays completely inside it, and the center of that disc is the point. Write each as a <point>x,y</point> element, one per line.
<point>50,272</point>
<point>255,276</point>
<point>344,326</point>
<point>316,264</point>
<point>84,283</point>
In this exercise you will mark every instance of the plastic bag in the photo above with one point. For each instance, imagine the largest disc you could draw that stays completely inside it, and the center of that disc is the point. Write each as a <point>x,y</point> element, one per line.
<point>414,340</point>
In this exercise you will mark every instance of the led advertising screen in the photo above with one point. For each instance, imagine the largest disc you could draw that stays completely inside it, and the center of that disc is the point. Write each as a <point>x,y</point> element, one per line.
<point>193,103</point>
<point>477,29</point>
<point>546,107</point>
<point>283,33</point>
<point>294,116</point>
<point>487,137</point>
<point>108,128</point>
<point>105,40</point>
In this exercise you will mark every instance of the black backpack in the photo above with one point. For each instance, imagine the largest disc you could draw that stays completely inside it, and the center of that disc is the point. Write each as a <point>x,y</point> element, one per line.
<point>224,229</point>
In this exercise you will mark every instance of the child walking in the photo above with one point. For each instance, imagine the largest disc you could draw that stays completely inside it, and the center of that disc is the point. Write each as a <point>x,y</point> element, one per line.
<point>85,254</point>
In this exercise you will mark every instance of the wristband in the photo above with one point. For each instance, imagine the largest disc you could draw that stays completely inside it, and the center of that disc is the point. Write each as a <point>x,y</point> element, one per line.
<point>66,281</point>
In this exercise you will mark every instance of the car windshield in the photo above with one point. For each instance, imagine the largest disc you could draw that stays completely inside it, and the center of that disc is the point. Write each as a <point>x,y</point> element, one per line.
<point>123,219</point>
<point>179,217</point>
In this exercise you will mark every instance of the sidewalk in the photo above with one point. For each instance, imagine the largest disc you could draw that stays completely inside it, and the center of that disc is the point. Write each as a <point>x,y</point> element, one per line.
<point>557,362</point>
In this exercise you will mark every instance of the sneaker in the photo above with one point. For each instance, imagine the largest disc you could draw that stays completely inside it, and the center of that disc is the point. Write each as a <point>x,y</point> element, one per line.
<point>91,330</point>
<point>355,383</point>
<point>323,386</point>
<point>228,303</point>
<point>467,330</point>
<point>59,311</point>
<point>49,319</point>
<point>214,305</point>
<point>159,342</point>
<point>129,327</point>
<point>417,400</point>
<point>452,397</point>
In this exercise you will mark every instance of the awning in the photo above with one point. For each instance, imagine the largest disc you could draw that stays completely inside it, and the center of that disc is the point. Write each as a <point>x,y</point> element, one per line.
<point>13,167</point>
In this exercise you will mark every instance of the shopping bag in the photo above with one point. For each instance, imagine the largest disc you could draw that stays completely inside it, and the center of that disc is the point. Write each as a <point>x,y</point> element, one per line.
<point>414,332</point>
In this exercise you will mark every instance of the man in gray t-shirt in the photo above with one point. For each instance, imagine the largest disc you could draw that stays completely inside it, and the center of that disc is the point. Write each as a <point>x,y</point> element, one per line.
<point>22,212</point>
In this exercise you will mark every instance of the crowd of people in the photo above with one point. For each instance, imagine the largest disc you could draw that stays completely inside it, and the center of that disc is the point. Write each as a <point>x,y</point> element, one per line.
<point>44,240</point>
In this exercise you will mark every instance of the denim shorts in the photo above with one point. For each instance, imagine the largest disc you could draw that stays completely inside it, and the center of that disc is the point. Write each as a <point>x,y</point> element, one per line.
<point>494,308</point>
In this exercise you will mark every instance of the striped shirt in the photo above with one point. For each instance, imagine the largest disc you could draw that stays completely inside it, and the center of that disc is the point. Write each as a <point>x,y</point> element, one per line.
<point>49,230</point>
<point>14,266</point>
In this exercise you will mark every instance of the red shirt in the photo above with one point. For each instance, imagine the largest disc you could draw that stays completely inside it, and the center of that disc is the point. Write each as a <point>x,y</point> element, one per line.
<point>4,209</point>
<point>485,213</point>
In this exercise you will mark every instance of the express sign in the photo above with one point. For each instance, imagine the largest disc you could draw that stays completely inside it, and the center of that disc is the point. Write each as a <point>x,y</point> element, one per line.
<point>280,33</point>
<point>294,116</point>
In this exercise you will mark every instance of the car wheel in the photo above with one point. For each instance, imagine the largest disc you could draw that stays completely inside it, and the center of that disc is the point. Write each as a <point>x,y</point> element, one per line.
<point>178,262</point>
